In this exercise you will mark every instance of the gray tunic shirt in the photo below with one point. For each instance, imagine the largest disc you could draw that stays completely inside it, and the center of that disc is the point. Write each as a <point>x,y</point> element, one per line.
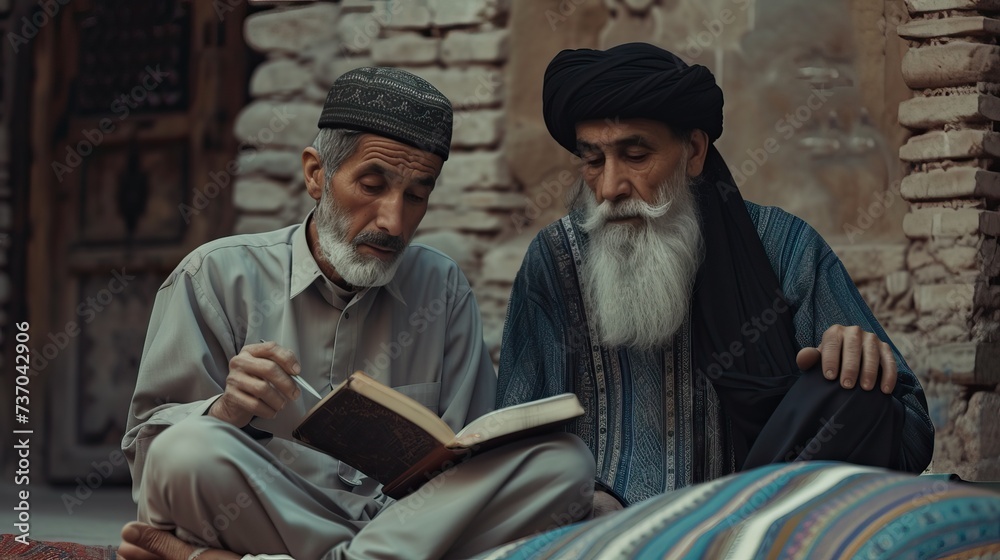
<point>421,334</point>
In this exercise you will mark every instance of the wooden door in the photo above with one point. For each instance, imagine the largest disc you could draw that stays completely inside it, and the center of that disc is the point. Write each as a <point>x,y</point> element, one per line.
<point>134,108</point>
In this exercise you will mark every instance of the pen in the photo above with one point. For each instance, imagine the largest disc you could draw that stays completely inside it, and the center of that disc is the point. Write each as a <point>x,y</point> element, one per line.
<point>302,383</point>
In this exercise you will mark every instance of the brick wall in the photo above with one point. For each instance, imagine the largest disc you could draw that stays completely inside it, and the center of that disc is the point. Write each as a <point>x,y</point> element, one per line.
<point>953,66</point>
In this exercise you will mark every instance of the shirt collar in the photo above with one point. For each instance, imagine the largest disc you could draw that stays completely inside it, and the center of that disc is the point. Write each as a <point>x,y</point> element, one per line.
<point>305,269</point>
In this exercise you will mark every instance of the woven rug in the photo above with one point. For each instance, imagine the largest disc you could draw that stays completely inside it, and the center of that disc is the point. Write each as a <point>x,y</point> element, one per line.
<point>11,549</point>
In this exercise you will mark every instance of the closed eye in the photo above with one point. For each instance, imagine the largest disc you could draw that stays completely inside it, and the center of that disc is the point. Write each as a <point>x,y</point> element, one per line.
<point>372,187</point>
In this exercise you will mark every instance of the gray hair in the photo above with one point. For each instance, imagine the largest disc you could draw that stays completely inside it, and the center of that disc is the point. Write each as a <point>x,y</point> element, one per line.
<point>335,145</point>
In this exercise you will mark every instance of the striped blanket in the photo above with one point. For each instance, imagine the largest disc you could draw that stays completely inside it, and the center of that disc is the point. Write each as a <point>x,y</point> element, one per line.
<point>812,510</point>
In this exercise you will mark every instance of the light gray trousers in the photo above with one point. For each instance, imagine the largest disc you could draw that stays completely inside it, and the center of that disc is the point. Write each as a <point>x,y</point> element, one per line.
<point>202,481</point>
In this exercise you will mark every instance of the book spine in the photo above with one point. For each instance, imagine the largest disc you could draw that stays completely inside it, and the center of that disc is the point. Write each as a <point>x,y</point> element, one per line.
<point>440,460</point>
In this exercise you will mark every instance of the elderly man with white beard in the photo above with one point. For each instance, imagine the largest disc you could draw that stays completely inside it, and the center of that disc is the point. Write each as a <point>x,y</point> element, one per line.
<point>216,472</point>
<point>703,334</point>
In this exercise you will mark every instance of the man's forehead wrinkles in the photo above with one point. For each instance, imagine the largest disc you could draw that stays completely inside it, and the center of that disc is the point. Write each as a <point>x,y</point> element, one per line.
<point>634,139</point>
<point>399,162</point>
<point>399,171</point>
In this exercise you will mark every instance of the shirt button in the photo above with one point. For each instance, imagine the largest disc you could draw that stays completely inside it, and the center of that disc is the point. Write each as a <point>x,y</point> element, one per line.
<point>347,315</point>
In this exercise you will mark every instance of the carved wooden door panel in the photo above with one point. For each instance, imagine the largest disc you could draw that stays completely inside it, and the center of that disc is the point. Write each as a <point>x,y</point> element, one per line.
<point>140,100</point>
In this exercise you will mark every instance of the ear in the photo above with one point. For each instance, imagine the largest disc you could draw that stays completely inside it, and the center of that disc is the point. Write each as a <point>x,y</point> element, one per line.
<point>312,171</point>
<point>699,146</point>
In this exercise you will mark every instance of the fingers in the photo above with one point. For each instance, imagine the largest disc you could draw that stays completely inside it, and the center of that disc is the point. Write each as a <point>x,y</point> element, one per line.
<point>850,356</point>
<point>272,362</point>
<point>252,391</point>
<point>871,358</point>
<point>857,357</point>
<point>278,354</point>
<point>889,371</point>
<point>830,347</point>
<point>266,361</point>
<point>143,542</point>
<point>807,358</point>
<point>258,384</point>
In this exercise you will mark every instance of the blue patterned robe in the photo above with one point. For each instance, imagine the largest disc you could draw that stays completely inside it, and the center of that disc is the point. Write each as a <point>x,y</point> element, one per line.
<point>650,426</point>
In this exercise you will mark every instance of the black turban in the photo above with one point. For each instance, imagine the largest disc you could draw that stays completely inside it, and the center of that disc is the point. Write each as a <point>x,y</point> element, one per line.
<point>632,81</point>
<point>773,410</point>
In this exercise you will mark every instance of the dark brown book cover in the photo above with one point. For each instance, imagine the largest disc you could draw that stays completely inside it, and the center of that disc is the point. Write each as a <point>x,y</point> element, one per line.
<point>366,435</point>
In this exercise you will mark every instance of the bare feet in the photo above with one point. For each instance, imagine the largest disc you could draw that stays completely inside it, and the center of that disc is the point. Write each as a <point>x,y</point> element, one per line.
<point>142,542</point>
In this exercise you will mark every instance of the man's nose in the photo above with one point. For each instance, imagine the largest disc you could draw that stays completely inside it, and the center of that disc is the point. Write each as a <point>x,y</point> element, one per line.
<point>390,216</point>
<point>615,184</point>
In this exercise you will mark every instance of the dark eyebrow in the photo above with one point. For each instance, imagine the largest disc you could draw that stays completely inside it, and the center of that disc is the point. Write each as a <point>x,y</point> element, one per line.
<point>377,169</point>
<point>634,140</point>
<point>425,181</point>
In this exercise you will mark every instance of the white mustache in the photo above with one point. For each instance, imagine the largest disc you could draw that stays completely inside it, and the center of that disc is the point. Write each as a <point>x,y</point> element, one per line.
<point>630,208</point>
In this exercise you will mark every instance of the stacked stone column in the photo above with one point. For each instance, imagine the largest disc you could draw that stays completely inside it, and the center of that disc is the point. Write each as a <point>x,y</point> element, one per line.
<point>953,66</point>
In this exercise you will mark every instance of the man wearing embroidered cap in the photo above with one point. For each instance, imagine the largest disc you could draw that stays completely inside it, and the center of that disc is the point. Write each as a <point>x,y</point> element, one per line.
<point>702,333</point>
<point>209,434</point>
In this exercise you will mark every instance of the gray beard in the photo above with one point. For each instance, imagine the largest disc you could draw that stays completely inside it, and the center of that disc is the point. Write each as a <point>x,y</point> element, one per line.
<point>332,225</point>
<point>638,279</point>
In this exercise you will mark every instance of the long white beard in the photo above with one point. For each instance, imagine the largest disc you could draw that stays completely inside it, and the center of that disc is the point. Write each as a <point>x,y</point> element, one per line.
<point>332,225</point>
<point>638,279</point>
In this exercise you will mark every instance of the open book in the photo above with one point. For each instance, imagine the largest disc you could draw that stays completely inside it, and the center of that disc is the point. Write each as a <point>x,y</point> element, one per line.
<point>402,444</point>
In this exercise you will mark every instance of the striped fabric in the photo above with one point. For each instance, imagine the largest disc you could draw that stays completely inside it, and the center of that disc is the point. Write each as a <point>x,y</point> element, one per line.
<point>814,510</point>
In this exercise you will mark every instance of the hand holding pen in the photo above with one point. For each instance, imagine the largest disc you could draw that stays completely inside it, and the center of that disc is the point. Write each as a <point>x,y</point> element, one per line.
<point>259,383</point>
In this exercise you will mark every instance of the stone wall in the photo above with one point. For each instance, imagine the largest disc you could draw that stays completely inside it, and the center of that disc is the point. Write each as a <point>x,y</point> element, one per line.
<point>953,66</point>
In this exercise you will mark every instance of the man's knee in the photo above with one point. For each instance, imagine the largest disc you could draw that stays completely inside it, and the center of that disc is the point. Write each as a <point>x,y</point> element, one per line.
<point>566,465</point>
<point>563,456</point>
<point>196,447</point>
